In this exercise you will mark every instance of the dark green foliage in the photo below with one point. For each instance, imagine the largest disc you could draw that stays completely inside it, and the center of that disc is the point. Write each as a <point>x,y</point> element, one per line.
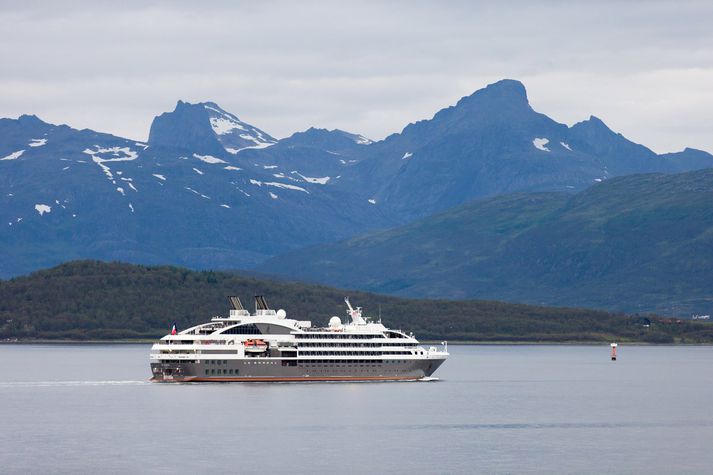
<point>93,300</point>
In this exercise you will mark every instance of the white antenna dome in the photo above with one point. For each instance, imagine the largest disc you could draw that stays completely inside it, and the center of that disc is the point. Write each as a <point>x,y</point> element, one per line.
<point>335,322</point>
<point>281,314</point>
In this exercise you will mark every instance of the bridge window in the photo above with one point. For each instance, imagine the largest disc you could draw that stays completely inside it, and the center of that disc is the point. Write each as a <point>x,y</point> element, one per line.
<point>245,329</point>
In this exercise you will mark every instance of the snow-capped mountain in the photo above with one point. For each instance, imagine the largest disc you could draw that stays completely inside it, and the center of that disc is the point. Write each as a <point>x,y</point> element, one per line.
<point>209,190</point>
<point>492,142</point>
<point>67,193</point>
<point>207,127</point>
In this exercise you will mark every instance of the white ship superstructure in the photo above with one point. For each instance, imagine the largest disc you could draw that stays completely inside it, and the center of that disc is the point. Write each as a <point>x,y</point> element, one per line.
<point>268,346</point>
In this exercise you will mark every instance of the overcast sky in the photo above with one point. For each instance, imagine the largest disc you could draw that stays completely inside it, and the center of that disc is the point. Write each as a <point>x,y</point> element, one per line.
<point>646,69</point>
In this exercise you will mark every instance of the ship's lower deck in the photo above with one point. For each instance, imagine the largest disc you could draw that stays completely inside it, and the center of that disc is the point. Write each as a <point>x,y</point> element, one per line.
<point>277,369</point>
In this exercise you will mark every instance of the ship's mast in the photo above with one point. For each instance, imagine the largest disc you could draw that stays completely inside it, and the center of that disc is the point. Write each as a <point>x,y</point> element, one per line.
<point>354,313</point>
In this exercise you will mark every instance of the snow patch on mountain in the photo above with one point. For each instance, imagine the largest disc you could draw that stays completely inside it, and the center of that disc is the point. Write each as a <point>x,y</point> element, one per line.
<point>540,143</point>
<point>225,206</point>
<point>315,180</point>
<point>241,190</point>
<point>565,145</point>
<point>37,142</point>
<point>208,159</point>
<point>230,167</point>
<point>14,155</point>
<point>259,140</point>
<point>273,195</point>
<point>160,177</point>
<point>42,209</point>
<point>285,186</point>
<point>361,140</point>
<point>227,127</point>
<point>235,151</point>
<point>110,154</point>
<point>372,202</point>
<point>115,154</point>
<point>197,193</point>
<point>198,171</point>
<point>407,155</point>
<point>224,125</point>
<point>278,185</point>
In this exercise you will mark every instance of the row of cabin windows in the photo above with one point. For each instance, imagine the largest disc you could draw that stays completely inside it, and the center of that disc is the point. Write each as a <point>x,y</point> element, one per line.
<point>353,353</point>
<point>348,362</point>
<point>353,345</point>
<point>216,361</point>
<point>325,336</point>
<point>331,363</point>
<point>221,371</point>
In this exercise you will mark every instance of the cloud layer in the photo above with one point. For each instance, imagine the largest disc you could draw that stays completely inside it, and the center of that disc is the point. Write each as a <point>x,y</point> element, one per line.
<point>646,68</point>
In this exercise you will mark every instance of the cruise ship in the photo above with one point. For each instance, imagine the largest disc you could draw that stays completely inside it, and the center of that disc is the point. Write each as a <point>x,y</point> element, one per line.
<point>268,346</point>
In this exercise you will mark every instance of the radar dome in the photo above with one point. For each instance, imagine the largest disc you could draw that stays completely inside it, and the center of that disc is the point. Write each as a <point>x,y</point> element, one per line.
<point>335,322</point>
<point>281,314</point>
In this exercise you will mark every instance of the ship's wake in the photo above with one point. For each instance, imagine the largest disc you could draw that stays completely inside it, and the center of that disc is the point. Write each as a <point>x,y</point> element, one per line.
<point>50,384</point>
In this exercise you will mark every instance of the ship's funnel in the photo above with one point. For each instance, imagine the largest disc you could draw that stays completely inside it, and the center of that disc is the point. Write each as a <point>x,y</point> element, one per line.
<point>260,303</point>
<point>235,303</point>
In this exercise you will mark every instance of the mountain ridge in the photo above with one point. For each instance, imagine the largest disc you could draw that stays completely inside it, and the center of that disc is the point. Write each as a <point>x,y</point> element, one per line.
<point>212,191</point>
<point>633,243</point>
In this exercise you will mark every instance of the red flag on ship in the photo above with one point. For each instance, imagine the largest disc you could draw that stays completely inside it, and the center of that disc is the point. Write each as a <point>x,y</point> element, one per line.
<point>173,329</point>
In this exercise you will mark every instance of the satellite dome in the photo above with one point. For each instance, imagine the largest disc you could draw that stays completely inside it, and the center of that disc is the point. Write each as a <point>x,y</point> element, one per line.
<point>281,314</point>
<point>335,322</point>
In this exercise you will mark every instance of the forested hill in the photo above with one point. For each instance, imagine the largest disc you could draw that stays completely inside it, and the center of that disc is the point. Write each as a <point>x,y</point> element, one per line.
<point>95,300</point>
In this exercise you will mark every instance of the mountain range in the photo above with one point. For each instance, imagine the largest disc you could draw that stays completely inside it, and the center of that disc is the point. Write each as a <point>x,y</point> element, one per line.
<point>640,243</point>
<point>209,190</point>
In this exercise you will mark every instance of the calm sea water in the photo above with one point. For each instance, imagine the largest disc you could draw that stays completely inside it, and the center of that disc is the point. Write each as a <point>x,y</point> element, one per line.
<point>494,409</point>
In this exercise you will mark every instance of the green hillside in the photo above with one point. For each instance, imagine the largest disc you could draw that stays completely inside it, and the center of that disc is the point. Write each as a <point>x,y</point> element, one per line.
<point>634,244</point>
<point>94,300</point>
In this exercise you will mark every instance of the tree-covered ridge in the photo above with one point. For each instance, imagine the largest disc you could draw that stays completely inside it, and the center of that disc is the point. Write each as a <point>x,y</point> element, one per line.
<point>95,300</point>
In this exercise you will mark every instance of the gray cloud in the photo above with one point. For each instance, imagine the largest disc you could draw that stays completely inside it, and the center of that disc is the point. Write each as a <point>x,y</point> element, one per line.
<point>646,68</point>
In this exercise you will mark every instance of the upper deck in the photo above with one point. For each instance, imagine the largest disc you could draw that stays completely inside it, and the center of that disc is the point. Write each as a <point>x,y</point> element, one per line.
<point>268,322</point>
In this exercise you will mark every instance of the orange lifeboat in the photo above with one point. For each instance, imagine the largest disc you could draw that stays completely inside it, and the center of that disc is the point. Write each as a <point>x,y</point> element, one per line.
<point>255,346</point>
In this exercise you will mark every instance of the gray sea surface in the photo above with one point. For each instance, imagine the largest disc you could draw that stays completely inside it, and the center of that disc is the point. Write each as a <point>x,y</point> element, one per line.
<point>493,409</point>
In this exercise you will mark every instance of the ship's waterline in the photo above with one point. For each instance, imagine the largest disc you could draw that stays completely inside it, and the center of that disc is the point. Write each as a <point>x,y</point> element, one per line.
<point>268,346</point>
